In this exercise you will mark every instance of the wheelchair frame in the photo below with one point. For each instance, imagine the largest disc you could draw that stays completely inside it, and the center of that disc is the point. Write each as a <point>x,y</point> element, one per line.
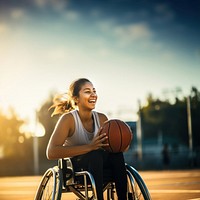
<point>62,179</point>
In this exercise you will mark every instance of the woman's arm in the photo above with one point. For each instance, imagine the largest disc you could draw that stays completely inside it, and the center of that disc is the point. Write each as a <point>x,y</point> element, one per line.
<point>64,129</point>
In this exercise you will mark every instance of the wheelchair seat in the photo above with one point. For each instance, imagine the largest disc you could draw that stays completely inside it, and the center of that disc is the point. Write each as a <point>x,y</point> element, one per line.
<point>72,177</point>
<point>82,180</point>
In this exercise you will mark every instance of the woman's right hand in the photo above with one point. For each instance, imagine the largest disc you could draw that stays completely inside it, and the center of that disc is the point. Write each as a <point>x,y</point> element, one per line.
<point>99,141</point>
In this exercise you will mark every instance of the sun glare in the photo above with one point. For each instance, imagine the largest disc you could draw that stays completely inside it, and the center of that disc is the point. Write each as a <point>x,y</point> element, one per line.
<point>33,129</point>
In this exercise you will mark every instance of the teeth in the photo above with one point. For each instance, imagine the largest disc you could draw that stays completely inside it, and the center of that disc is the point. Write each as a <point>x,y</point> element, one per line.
<point>92,101</point>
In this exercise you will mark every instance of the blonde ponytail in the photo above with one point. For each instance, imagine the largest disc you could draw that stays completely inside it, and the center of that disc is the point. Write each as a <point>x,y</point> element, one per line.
<point>62,103</point>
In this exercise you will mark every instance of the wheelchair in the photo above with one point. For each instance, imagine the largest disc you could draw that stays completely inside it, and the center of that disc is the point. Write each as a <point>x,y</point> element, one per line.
<point>62,179</point>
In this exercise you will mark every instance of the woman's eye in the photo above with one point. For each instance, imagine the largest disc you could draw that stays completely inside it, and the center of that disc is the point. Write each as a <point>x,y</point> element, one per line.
<point>90,92</point>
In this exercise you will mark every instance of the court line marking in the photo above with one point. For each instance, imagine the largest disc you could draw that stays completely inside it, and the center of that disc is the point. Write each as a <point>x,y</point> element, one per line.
<point>195,199</point>
<point>14,192</point>
<point>174,191</point>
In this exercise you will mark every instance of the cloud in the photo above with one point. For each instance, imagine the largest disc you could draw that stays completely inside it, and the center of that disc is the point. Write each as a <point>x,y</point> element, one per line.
<point>164,13</point>
<point>138,31</point>
<point>56,5</point>
<point>133,31</point>
<point>17,13</point>
<point>71,15</point>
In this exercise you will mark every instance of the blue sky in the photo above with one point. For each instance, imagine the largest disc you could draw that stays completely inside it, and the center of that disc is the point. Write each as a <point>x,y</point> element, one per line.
<point>127,48</point>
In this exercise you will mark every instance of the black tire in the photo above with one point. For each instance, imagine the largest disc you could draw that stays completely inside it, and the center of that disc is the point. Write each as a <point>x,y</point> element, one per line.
<point>50,187</point>
<point>137,189</point>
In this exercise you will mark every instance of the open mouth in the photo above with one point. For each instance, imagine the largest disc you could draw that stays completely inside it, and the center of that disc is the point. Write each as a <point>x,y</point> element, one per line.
<point>92,101</point>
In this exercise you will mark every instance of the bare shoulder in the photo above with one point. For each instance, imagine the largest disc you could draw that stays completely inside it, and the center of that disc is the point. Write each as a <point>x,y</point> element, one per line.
<point>67,121</point>
<point>63,129</point>
<point>67,117</point>
<point>102,117</point>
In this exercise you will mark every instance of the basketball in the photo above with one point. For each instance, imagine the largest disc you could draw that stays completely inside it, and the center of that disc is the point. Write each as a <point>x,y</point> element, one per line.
<point>119,135</point>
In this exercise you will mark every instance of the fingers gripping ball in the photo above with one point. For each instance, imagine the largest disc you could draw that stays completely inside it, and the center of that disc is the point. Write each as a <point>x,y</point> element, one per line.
<point>119,135</point>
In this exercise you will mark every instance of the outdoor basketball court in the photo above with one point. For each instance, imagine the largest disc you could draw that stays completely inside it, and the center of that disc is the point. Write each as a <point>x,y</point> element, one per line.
<point>162,185</point>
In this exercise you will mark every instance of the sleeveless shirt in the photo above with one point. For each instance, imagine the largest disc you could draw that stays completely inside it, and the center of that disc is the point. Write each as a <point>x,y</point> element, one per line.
<point>81,136</point>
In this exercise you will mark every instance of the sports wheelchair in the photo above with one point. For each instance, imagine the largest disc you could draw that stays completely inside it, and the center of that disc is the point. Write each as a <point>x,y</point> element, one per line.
<point>62,179</point>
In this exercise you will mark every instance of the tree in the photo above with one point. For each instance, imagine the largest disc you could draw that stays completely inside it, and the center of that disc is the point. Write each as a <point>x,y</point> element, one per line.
<point>171,118</point>
<point>10,135</point>
<point>44,117</point>
<point>15,146</point>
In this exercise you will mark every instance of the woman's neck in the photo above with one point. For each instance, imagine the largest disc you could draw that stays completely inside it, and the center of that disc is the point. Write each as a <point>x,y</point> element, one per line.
<point>87,120</point>
<point>85,116</point>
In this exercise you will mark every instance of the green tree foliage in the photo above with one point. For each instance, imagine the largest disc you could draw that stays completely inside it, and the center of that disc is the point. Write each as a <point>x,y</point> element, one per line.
<point>44,117</point>
<point>9,134</point>
<point>14,146</point>
<point>171,119</point>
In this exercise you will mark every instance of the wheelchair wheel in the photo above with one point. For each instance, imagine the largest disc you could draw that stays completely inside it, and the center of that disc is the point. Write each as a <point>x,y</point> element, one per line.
<point>50,187</point>
<point>137,189</point>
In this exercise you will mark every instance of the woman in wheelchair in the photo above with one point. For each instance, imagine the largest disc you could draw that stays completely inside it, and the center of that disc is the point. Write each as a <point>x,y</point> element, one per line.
<point>76,136</point>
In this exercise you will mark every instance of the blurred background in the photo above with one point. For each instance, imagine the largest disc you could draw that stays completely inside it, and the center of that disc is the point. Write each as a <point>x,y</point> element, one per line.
<point>142,56</point>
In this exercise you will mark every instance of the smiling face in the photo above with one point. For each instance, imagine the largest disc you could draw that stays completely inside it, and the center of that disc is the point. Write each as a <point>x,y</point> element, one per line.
<point>87,96</point>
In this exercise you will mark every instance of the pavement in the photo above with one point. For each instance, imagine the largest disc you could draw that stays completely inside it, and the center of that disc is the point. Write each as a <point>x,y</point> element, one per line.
<point>162,185</point>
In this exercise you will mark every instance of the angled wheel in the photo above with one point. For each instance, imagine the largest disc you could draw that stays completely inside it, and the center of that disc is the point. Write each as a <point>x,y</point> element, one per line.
<point>137,189</point>
<point>50,187</point>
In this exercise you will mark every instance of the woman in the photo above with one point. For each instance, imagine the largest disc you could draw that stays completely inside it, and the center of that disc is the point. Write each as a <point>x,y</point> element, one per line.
<point>76,136</point>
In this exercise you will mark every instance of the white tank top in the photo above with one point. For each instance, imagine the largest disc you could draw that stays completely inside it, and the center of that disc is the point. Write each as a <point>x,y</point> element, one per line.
<point>81,136</point>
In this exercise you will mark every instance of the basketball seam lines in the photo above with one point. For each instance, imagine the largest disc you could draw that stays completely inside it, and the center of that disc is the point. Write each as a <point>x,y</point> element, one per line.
<point>120,135</point>
<point>109,137</point>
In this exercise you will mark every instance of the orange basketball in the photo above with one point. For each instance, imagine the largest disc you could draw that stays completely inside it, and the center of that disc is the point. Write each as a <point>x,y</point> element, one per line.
<point>119,135</point>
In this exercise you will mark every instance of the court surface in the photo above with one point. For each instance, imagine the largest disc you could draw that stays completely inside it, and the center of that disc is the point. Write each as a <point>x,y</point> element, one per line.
<point>162,185</point>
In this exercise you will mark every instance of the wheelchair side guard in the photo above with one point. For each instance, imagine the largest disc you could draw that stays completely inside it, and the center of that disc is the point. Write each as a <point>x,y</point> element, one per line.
<point>66,166</point>
<point>86,174</point>
<point>69,177</point>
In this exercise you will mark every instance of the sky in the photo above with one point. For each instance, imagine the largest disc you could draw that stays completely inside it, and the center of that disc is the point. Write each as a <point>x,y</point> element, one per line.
<point>127,48</point>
